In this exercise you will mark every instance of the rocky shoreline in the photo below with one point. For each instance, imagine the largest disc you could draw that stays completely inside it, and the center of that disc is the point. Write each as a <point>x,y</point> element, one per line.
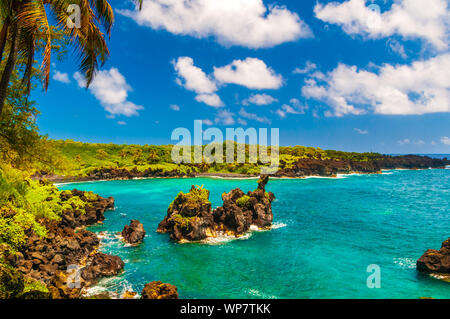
<point>66,262</point>
<point>190,218</point>
<point>67,250</point>
<point>302,168</point>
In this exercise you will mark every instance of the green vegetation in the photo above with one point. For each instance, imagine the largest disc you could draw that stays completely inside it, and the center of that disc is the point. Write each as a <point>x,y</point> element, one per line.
<point>244,202</point>
<point>32,285</point>
<point>79,159</point>
<point>197,196</point>
<point>183,221</point>
<point>188,205</point>
<point>24,202</point>
<point>25,27</point>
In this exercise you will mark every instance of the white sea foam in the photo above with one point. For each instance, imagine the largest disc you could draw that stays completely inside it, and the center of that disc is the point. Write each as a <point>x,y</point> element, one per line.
<point>405,263</point>
<point>223,238</point>
<point>278,225</point>
<point>115,286</point>
<point>259,294</point>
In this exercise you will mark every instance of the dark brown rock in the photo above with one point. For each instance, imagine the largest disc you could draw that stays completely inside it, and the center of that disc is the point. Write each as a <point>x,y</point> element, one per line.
<point>159,290</point>
<point>436,261</point>
<point>134,233</point>
<point>189,217</point>
<point>331,167</point>
<point>240,211</point>
<point>102,265</point>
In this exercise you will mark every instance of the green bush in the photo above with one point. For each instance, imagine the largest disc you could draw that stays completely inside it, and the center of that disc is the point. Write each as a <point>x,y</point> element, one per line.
<point>244,202</point>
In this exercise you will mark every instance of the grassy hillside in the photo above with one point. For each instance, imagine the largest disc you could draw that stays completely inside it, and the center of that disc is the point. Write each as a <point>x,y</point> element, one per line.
<point>79,159</point>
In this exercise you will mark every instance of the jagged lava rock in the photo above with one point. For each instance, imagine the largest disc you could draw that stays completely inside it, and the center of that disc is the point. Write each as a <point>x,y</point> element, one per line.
<point>436,261</point>
<point>134,233</point>
<point>102,265</point>
<point>189,216</point>
<point>240,210</point>
<point>159,290</point>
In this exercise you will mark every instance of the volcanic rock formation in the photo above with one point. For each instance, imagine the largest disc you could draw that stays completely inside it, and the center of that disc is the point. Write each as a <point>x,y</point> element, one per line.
<point>190,218</point>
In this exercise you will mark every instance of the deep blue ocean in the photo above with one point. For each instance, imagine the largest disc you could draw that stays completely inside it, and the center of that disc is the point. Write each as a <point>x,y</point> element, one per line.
<point>327,232</point>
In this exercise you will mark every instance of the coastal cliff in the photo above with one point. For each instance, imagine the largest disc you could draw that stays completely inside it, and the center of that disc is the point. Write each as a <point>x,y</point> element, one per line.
<point>328,168</point>
<point>303,167</point>
<point>48,260</point>
<point>190,217</point>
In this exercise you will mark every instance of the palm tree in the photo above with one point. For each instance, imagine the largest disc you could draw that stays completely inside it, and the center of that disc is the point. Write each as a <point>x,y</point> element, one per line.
<point>23,20</point>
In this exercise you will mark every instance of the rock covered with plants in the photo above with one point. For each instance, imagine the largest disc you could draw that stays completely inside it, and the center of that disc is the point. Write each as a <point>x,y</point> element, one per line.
<point>240,211</point>
<point>190,217</point>
<point>436,262</point>
<point>42,235</point>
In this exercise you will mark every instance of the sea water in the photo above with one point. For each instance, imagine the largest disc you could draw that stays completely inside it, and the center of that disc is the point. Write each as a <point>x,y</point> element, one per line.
<point>326,233</point>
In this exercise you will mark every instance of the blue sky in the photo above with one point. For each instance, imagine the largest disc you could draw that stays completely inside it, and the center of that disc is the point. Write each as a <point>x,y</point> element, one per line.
<point>338,75</point>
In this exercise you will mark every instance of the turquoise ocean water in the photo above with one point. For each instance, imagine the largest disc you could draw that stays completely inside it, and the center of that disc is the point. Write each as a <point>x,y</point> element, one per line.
<point>327,232</point>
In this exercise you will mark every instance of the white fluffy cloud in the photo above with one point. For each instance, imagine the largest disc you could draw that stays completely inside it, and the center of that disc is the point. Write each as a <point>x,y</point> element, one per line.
<point>445,140</point>
<point>207,122</point>
<point>251,73</point>
<point>247,23</point>
<point>224,117</point>
<point>253,116</point>
<point>194,79</point>
<point>61,77</point>
<point>294,107</point>
<point>428,20</point>
<point>405,141</point>
<point>111,89</point>
<point>210,99</point>
<point>397,48</point>
<point>174,107</point>
<point>362,132</point>
<point>420,88</point>
<point>259,99</point>
<point>308,68</point>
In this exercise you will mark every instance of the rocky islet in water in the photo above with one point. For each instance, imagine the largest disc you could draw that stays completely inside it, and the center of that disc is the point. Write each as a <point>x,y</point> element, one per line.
<point>190,217</point>
<point>436,262</point>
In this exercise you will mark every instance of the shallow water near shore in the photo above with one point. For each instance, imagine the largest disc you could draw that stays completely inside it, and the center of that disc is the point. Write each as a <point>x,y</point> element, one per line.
<point>327,232</point>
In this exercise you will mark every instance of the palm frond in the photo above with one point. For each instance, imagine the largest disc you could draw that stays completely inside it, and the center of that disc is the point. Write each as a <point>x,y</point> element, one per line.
<point>32,17</point>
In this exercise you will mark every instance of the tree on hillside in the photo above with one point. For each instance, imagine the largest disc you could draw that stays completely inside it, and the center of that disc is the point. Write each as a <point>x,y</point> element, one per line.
<point>153,157</point>
<point>20,141</point>
<point>101,154</point>
<point>22,20</point>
